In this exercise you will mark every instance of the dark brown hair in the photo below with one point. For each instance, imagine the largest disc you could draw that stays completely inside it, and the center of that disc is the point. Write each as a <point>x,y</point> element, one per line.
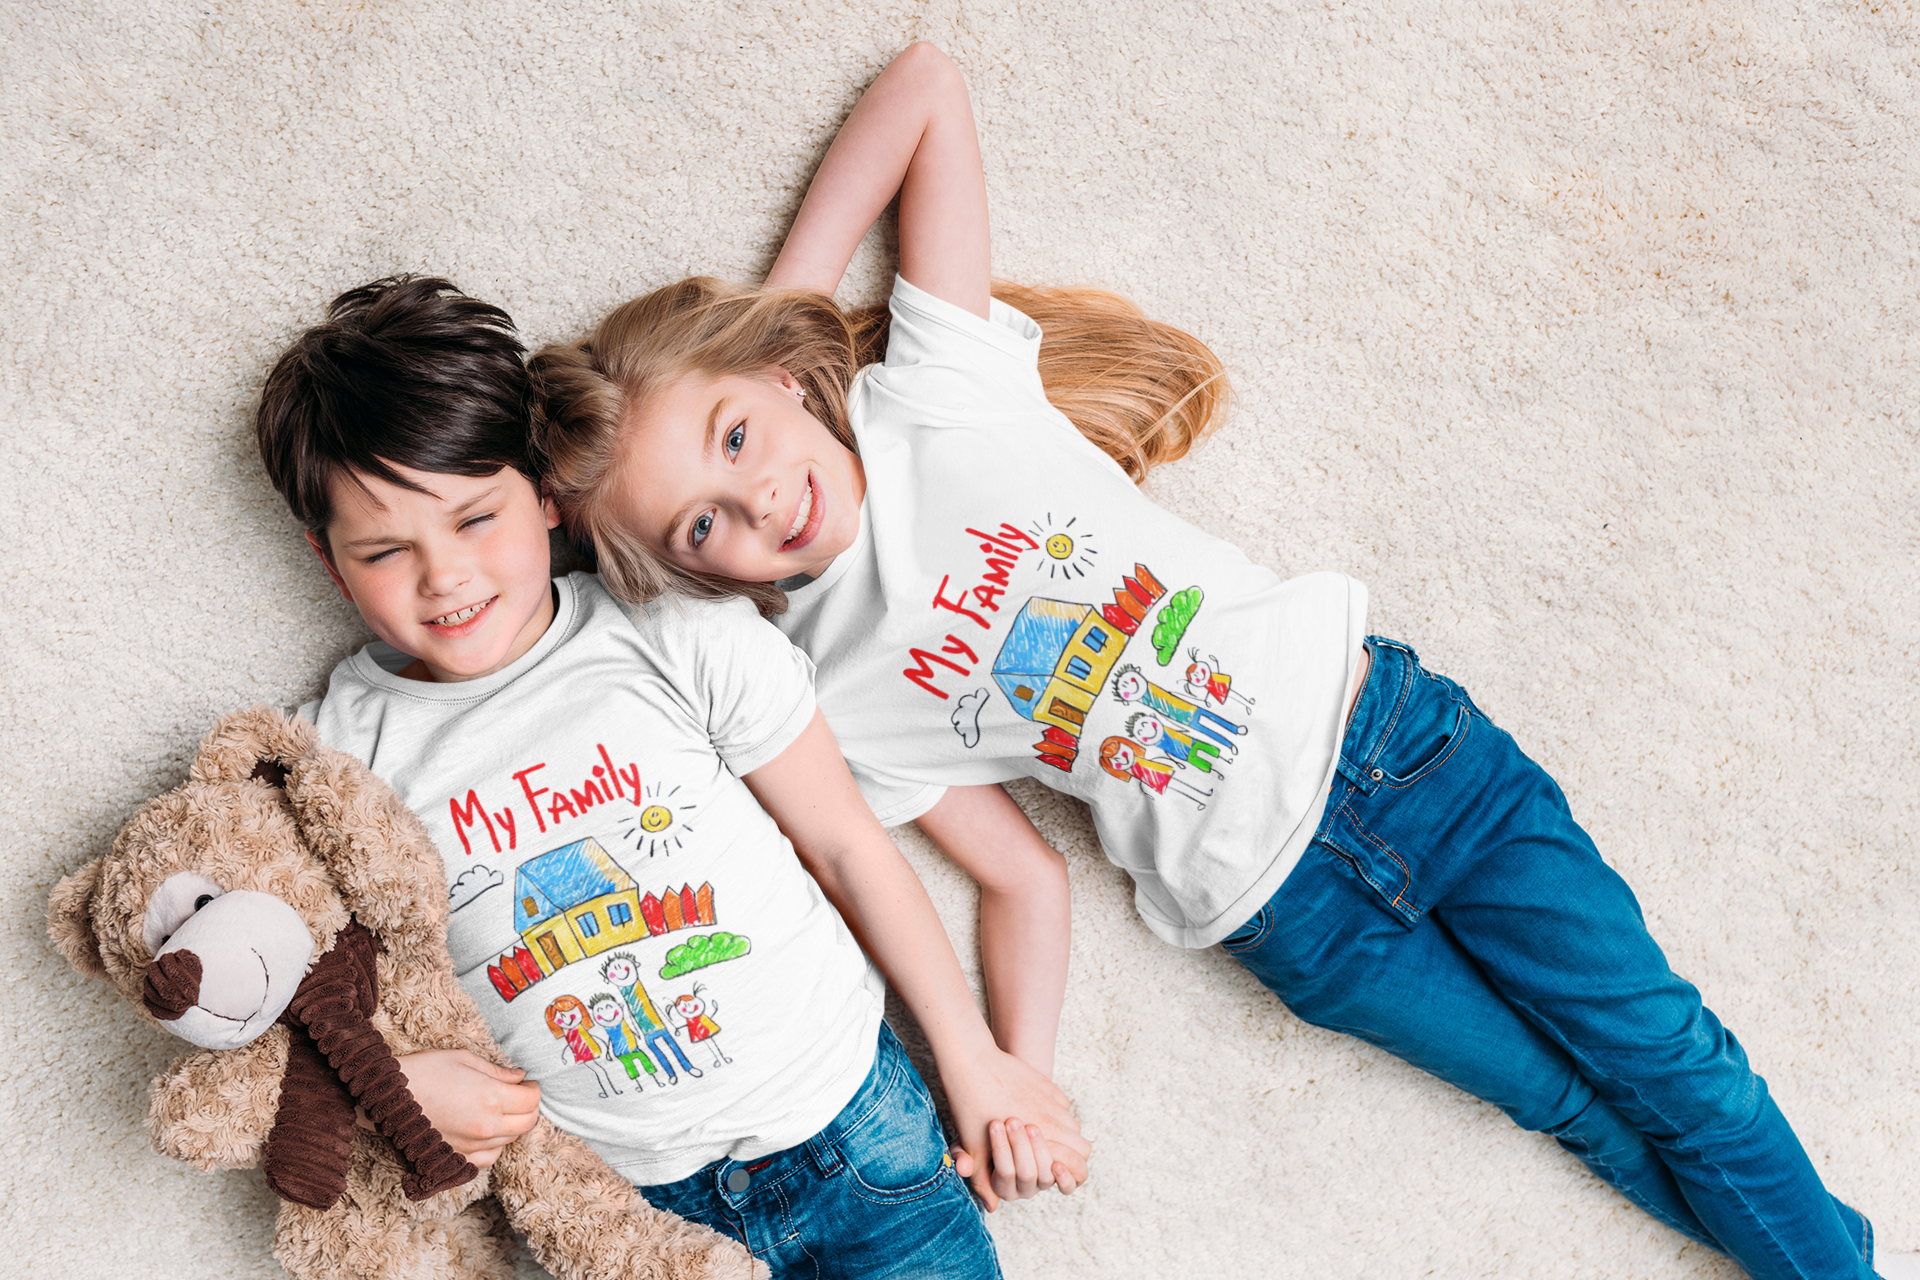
<point>404,372</point>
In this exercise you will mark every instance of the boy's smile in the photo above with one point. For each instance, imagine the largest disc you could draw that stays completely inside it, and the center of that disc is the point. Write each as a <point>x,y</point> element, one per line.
<point>455,577</point>
<point>733,477</point>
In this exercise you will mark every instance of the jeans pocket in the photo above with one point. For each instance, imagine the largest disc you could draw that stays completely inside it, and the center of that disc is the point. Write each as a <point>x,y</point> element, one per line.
<point>1411,756</point>
<point>897,1150</point>
<point>1251,934</point>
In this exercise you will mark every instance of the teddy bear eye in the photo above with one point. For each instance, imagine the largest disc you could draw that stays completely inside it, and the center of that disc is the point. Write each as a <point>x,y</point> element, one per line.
<point>176,900</point>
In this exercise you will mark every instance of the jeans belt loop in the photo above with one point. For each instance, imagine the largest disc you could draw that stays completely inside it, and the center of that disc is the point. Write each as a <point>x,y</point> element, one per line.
<point>826,1155</point>
<point>1365,779</point>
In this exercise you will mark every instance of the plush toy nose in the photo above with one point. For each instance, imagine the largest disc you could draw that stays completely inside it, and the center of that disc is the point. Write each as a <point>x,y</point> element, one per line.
<point>173,985</point>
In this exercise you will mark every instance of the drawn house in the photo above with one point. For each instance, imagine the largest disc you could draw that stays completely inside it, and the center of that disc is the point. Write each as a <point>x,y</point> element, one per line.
<point>576,902</point>
<point>1055,660</point>
<point>570,903</point>
<point>1058,654</point>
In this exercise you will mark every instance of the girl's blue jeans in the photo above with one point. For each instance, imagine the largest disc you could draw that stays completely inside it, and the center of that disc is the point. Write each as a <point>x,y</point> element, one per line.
<point>1450,911</point>
<point>872,1194</point>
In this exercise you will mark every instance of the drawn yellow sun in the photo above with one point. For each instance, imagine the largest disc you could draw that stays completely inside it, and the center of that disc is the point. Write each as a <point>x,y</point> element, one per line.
<point>659,827</point>
<point>1070,550</point>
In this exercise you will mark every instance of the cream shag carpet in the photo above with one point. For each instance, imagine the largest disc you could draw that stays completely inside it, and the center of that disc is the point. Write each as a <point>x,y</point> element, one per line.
<point>1583,334</point>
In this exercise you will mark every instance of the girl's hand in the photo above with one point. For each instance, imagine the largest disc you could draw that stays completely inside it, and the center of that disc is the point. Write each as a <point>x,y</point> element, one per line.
<point>1013,1158</point>
<point>477,1106</point>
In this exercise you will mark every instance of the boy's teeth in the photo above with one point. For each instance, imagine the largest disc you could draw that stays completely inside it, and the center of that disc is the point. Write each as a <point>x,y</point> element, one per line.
<point>800,513</point>
<point>459,616</point>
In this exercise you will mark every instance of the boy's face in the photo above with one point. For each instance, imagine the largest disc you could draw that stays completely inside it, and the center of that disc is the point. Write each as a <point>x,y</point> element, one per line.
<point>456,577</point>
<point>732,476</point>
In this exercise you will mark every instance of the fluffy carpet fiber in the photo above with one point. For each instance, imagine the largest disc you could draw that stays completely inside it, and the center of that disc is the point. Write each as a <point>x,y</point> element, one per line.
<point>1583,334</point>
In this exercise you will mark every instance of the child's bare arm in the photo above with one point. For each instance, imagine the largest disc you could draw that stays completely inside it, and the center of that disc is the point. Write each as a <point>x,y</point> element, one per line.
<point>478,1106</point>
<point>811,795</point>
<point>1025,914</point>
<point>911,133</point>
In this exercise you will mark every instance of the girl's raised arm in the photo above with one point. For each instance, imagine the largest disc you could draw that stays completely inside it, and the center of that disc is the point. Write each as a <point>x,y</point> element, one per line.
<point>912,133</point>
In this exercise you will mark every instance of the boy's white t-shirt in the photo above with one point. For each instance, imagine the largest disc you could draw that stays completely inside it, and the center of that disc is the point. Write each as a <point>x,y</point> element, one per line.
<point>609,869</point>
<point>1013,603</point>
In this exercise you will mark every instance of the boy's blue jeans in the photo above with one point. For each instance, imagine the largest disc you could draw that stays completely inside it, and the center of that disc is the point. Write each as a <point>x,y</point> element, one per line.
<point>871,1194</point>
<point>1452,912</point>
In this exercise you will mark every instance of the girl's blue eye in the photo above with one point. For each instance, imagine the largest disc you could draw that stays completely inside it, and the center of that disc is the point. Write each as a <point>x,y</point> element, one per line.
<point>702,526</point>
<point>736,439</point>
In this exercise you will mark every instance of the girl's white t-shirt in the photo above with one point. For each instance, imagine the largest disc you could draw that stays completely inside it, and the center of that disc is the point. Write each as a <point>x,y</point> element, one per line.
<point>623,910</point>
<point>1013,606</point>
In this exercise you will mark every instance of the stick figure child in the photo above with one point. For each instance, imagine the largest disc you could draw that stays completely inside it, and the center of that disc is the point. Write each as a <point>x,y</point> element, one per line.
<point>1130,687</point>
<point>1151,731</point>
<point>618,1038</point>
<point>567,1018</point>
<point>623,971</point>
<point>1124,759</point>
<point>1206,681</point>
<point>693,1012</point>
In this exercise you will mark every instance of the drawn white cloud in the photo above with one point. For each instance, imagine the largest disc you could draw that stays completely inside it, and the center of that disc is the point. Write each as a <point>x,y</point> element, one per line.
<point>473,882</point>
<point>966,716</point>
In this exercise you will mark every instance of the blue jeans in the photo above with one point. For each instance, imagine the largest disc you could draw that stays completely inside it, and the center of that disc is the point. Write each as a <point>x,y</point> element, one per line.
<point>872,1194</point>
<point>1451,912</point>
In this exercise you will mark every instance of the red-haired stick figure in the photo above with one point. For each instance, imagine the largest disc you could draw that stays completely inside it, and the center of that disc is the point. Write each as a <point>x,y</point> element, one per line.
<point>1126,759</point>
<point>1207,682</point>
<point>568,1019</point>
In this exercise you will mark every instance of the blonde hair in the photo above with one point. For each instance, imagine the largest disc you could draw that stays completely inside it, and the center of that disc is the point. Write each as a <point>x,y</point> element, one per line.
<point>1143,391</point>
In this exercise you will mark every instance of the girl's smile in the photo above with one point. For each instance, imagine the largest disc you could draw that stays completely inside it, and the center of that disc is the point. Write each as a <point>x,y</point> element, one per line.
<point>733,477</point>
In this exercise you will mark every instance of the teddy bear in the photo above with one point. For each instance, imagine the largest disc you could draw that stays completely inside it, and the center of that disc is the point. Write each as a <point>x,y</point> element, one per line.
<point>283,910</point>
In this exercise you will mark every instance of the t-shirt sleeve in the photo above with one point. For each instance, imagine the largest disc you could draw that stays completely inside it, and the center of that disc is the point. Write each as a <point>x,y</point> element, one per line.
<point>946,360</point>
<point>753,685</point>
<point>895,800</point>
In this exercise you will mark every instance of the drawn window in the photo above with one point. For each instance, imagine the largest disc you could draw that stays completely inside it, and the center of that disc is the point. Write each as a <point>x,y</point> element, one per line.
<point>529,907</point>
<point>1096,639</point>
<point>1079,668</point>
<point>588,922</point>
<point>618,914</point>
<point>1024,693</point>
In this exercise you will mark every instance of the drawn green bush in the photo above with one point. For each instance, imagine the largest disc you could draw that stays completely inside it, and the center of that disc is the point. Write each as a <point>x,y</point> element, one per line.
<point>702,950</point>
<point>1171,622</point>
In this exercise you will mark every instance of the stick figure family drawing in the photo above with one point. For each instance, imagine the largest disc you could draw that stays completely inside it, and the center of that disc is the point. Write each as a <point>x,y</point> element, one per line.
<point>608,1029</point>
<point>1055,662</point>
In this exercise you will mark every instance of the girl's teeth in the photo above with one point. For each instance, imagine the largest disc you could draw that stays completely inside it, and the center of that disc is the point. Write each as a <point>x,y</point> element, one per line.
<point>801,513</point>
<point>455,619</point>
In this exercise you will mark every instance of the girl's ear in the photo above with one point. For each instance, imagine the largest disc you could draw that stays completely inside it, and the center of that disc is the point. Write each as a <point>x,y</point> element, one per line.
<point>785,381</point>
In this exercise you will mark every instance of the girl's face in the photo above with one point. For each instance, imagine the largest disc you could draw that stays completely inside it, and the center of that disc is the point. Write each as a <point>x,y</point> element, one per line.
<point>732,476</point>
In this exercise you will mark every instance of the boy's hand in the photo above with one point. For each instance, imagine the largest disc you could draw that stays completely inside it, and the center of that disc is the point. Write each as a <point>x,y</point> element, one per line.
<point>1016,1157</point>
<point>478,1107</point>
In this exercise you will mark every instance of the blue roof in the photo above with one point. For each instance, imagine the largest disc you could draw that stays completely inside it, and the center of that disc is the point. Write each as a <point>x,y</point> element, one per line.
<point>1032,649</point>
<point>563,878</point>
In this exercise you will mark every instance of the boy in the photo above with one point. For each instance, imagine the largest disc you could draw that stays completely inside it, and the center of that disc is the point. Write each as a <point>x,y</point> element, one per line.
<point>591,779</point>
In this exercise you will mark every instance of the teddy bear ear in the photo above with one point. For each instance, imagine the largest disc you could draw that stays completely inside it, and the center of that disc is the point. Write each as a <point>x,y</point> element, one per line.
<point>261,742</point>
<point>70,920</point>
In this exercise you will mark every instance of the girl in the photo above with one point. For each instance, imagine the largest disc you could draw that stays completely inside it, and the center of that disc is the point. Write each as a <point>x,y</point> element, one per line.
<point>1379,854</point>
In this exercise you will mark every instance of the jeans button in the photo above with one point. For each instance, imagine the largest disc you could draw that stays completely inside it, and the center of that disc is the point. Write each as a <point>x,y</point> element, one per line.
<point>738,1181</point>
<point>1377,774</point>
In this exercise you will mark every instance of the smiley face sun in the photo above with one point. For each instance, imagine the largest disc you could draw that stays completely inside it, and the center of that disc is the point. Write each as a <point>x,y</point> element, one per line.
<point>661,824</point>
<point>1069,551</point>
